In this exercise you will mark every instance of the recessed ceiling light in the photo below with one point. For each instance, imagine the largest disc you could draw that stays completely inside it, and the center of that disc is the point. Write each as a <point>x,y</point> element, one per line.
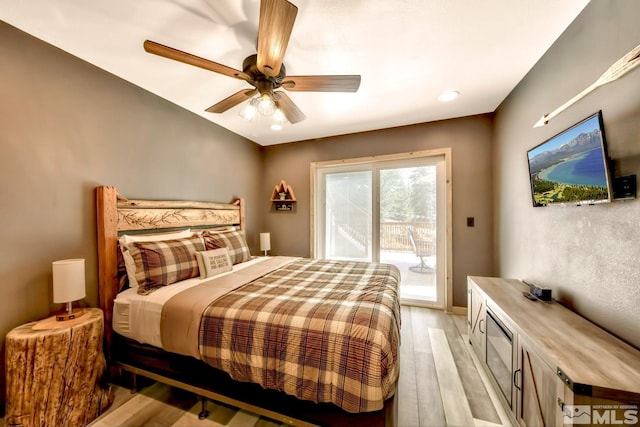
<point>448,96</point>
<point>276,126</point>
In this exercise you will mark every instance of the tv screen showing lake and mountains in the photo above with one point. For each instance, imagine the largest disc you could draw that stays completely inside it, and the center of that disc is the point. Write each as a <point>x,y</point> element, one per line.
<point>570,167</point>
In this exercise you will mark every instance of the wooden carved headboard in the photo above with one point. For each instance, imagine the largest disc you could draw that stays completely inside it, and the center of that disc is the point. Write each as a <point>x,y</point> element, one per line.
<point>116,215</point>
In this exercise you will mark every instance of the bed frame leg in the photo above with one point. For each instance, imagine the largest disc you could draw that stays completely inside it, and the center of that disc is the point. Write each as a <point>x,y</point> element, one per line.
<point>134,383</point>
<point>203,408</point>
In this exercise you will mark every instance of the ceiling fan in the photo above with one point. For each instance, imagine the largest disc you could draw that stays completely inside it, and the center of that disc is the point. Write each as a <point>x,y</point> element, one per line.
<point>265,70</point>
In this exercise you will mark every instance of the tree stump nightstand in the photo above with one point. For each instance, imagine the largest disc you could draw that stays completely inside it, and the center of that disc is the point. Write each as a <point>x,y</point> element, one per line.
<point>54,371</point>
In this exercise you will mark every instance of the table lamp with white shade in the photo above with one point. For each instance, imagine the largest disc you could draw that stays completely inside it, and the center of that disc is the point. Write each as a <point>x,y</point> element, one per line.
<point>68,285</point>
<point>265,242</point>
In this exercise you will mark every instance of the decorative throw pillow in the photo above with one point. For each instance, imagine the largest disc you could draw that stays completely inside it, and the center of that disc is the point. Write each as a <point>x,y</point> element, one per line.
<point>165,262</point>
<point>216,230</point>
<point>126,241</point>
<point>232,240</point>
<point>213,262</point>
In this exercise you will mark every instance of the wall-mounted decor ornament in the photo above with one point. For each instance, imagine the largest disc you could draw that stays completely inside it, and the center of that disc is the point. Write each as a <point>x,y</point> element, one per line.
<point>283,197</point>
<point>619,68</point>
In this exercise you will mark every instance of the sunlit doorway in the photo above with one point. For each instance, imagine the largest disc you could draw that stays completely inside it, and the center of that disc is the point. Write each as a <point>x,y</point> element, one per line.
<point>389,210</point>
<point>408,220</point>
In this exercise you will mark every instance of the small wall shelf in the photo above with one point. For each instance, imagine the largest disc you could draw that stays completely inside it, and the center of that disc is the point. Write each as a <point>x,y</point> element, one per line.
<point>283,197</point>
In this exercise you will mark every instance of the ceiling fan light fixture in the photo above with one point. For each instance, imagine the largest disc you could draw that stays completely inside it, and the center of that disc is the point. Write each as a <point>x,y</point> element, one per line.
<point>250,110</point>
<point>448,96</point>
<point>253,110</point>
<point>266,105</point>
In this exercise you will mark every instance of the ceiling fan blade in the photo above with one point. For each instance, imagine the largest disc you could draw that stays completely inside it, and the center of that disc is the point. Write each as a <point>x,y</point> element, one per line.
<point>322,83</point>
<point>187,58</point>
<point>232,101</point>
<point>276,23</point>
<point>289,109</point>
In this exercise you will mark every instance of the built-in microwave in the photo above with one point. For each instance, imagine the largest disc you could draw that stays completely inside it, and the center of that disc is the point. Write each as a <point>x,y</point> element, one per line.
<point>499,353</point>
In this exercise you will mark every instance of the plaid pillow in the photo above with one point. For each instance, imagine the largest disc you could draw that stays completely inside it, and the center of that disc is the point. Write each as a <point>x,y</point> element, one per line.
<point>127,240</point>
<point>165,262</point>
<point>232,240</point>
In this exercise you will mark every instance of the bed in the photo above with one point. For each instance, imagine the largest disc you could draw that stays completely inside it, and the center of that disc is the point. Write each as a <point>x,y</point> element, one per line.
<point>301,341</point>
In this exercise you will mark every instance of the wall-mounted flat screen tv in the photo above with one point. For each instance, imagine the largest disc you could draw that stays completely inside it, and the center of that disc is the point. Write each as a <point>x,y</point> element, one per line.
<point>571,167</point>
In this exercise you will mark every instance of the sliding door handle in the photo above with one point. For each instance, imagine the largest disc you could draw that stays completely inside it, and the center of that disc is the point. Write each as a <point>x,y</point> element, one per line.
<point>515,376</point>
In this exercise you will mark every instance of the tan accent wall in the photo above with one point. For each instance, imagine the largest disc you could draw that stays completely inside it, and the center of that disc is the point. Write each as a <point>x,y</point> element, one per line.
<point>470,141</point>
<point>67,127</point>
<point>588,255</point>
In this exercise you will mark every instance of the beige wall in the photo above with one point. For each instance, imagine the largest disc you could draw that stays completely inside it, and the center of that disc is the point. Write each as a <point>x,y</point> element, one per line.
<point>588,255</point>
<point>470,141</point>
<point>66,127</point>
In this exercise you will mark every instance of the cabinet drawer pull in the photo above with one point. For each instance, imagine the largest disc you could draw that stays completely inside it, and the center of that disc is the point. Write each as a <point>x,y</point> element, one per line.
<point>515,375</point>
<point>561,405</point>
<point>480,323</point>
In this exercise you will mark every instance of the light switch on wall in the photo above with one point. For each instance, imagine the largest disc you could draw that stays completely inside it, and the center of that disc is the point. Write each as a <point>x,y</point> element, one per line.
<point>471,221</point>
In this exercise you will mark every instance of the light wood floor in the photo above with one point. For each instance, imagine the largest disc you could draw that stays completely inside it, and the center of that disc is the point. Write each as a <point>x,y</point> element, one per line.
<point>439,386</point>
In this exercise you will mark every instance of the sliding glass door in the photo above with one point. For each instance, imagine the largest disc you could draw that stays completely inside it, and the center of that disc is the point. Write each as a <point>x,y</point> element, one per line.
<point>347,215</point>
<point>390,211</point>
<point>408,224</point>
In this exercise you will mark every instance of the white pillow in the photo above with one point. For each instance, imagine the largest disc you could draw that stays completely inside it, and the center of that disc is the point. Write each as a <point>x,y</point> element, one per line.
<point>217,229</point>
<point>213,262</point>
<point>128,239</point>
<point>155,237</point>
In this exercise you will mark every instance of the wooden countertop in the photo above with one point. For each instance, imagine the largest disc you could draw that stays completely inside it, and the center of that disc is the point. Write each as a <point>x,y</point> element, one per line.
<point>586,353</point>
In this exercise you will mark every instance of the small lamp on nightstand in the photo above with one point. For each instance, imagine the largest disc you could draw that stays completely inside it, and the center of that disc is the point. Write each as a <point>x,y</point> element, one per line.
<point>265,242</point>
<point>68,285</point>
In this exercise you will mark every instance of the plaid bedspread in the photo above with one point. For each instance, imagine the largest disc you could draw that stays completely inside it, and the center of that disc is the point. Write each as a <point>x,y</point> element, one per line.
<point>325,331</point>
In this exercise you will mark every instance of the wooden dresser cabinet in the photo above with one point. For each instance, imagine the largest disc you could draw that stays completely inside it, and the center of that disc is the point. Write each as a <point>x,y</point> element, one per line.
<point>549,365</point>
<point>476,317</point>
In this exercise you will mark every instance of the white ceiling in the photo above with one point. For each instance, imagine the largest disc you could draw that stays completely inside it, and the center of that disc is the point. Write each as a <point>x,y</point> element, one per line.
<point>407,51</point>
